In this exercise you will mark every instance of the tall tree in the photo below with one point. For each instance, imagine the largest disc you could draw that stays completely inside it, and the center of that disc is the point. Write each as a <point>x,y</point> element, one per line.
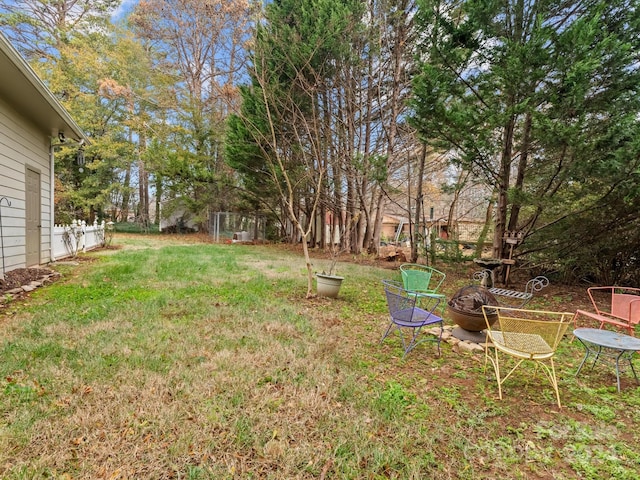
<point>142,96</point>
<point>204,43</point>
<point>284,130</point>
<point>109,88</point>
<point>525,94</point>
<point>38,28</point>
<point>360,102</point>
<point>397,37</point>
<point>73,47</point>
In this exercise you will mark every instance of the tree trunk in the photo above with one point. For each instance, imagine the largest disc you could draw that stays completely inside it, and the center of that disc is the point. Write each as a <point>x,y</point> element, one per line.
<point>488,220</point>
<point>503,186</point>
<point>126,195</point>
<point>522,166</point>
<point>416,229</point>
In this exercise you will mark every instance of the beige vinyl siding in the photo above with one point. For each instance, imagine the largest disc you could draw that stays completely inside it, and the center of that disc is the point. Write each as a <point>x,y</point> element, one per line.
<point>22,145</point>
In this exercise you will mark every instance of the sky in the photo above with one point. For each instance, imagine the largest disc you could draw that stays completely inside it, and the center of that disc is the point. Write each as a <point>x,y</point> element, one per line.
<point>124,8</point>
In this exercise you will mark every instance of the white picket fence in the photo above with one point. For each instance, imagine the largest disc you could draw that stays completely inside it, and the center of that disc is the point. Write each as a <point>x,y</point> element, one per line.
<point>68,240</point>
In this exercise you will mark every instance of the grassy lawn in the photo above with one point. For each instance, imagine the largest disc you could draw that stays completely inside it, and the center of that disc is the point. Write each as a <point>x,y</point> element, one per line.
<point>165,359</point>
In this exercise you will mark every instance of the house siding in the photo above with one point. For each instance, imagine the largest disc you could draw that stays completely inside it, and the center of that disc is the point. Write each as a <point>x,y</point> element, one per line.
<point>22,145</point>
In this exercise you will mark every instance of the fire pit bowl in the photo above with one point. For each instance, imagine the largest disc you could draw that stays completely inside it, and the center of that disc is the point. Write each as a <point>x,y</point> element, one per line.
<point>465,308</point>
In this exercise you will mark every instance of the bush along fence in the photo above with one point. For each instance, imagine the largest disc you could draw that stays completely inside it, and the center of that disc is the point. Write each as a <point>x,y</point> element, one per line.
<point>69,240</point>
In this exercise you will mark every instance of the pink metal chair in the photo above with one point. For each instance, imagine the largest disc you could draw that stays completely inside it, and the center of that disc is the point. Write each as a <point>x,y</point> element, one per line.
<point>615,306</point>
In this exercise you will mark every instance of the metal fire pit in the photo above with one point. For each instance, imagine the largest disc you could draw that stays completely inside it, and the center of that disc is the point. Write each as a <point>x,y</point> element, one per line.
<point>465,309</point>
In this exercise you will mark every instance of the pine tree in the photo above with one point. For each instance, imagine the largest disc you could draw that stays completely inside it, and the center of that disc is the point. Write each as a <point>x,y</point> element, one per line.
<point>540,100</point>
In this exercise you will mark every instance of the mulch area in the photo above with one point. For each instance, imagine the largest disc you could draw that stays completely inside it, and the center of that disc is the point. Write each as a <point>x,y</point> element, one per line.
<point>21,281</point>
<point>21,276</point>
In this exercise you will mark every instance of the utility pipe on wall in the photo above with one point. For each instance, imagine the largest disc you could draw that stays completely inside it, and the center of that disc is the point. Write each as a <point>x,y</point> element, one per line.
<point>2,233</point>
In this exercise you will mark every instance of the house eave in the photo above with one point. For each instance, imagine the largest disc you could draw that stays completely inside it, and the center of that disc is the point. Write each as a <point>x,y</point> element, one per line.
<point>24,91</point>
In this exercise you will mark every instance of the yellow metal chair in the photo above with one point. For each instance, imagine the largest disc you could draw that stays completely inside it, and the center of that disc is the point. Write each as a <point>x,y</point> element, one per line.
<point>524,335</point>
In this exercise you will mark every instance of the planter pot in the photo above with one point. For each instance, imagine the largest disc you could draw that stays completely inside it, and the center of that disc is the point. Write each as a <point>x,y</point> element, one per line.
<point>328,285</point>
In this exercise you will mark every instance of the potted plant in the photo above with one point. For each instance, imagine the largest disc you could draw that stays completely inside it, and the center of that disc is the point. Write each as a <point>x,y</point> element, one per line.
<point>327,283</point>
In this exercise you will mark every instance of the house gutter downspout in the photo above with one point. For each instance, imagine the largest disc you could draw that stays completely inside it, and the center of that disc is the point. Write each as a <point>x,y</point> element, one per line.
<point>52,182</point>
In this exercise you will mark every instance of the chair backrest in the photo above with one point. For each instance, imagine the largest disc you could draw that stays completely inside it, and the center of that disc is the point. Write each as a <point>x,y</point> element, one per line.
<point>401,305</point>
<point>407,307</point>
<point>620,302</point>
<point>421,278</point>
<point>627,306</point>
<point>536,284</point>
<point>483,277</point>
<point>521,329</point>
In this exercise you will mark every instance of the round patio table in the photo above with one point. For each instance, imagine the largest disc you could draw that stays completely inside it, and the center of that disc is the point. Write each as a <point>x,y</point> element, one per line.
<point>605,344</point>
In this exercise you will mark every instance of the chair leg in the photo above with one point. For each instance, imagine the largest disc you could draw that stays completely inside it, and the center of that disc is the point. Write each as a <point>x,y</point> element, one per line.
<point>518,363</point>
<point>415,333</point>
<point>496,367</point>
<point>575,325</point>
<point>414,339</point>
<point>555,383</point>
<point>550,373</point>
<point>413,343</point>
<point>406,347</point>
<point>386,334</point>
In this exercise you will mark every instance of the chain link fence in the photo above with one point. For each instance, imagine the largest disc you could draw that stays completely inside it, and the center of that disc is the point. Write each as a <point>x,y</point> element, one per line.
<point>229,227</point>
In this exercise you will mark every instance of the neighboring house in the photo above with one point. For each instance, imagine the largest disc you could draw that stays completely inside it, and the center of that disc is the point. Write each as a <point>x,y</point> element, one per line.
<point>31,121</point>
<point>394,228</point>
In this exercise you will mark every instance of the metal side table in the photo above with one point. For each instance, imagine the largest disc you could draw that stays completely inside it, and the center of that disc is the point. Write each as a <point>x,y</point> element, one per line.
<point>606,344</point>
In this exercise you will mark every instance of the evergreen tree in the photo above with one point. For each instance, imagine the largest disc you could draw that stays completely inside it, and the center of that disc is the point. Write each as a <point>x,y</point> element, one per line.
<point>283,134</point>
<point>540,99</point>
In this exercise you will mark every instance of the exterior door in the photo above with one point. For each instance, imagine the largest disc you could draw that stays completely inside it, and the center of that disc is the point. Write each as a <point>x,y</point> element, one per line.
<point>33,199</point>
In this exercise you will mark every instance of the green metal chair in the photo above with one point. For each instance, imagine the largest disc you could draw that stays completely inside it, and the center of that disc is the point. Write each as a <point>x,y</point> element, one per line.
<point>422,280</point>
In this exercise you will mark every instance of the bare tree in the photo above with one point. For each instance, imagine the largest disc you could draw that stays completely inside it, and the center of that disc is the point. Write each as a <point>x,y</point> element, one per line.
<point>304,143</point>
<point>393,86</point>
<point>38,27</point>
<point>203,45</point>
<point>296,115</point>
